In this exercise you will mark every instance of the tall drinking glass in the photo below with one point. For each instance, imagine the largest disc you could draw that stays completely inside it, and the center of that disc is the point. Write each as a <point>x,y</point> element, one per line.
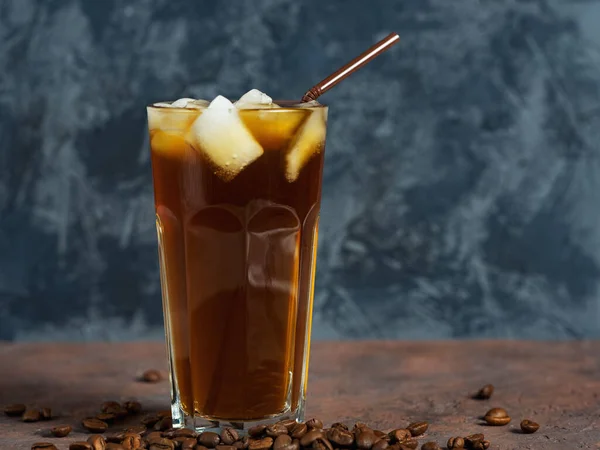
<point>237,197</point>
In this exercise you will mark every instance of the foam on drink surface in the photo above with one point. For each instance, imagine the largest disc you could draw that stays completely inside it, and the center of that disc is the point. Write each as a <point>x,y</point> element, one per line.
<point>233,136</point>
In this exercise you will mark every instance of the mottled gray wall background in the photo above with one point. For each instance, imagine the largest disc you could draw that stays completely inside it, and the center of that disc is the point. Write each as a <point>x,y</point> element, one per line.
<point>462,181</point>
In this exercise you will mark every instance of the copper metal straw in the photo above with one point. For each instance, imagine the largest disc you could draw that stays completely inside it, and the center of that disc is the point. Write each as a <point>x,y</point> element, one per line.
<point>333,79</point>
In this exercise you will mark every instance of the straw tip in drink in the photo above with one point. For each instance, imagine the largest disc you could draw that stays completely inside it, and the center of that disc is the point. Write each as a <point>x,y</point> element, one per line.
<point>311,95</point>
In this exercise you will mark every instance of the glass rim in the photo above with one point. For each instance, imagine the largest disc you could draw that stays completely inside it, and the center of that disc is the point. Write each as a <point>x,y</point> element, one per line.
<point>285,105</point>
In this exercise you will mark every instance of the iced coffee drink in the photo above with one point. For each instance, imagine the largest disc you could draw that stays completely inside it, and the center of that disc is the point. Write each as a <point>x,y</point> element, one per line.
<point>237,193</point>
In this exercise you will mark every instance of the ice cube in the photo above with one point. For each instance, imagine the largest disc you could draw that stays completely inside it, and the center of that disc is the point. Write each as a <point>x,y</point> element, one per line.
<point>220,134</point>
<point>182,102</point>
<point>255,99</point>
<point>198,104</point>
<point>308,142</point>
<point>220,102</point>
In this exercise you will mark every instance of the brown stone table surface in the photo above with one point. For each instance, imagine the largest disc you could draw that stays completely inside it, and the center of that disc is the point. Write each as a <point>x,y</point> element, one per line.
<point>385,384</point>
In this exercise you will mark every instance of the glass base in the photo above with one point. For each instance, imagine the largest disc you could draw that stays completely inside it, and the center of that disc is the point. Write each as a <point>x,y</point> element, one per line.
<point>199,424</point>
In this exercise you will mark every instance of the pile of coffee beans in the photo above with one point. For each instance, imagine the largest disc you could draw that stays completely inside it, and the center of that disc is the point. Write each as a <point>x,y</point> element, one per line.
<point>284,435</point>
<point>156,432</point>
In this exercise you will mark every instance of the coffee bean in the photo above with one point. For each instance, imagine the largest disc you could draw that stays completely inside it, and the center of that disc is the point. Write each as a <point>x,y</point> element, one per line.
<point>46,413</point>
<point>209,439</point>
<point>408,444</point>
<point>298,430</point>
<point>200,447</point>
<point>110,407</point>
<point>114,446</point>
<point>97,442</point>
<point>31,415</point>
<point>497,417</point>
<point>431,446</point>
<point>137,429</point>
<point>187,443</point>
<point>256,430</point>
<point>314,424</point>
<point>381,444</point>
<point>170,433</point>
<point>43,446</point>
<point>94,425</point>
<point>151,376</point>
<point>61,431</point>
<point>380,433</point>
<point>497,412</point>
<point>153,435</point>
<point>106,417</point>
<point>241,443</point>
<point>482,445</point>
<point>322,444</point>
<point>161,444</point>
<point>340,437</point>
<point>293,445</point>
<point>485,392</point>
<point>456,443</point>
<point>474,439</point>
<point>260,444</point>
<point>163,424</point>
<point>310,437</point>
<point>150,420</point>
<point>180,432</point>
<point>417,428</point>
<point>80,445</point>
<point>399,434</point>
<point>282,441</point>
<point>229,436</point>
<point>365,440</point>
<point>288,423</point>
<point>17,409</point>
<point>528,426</point>
<point>358,428</point>
<point>131,441</point>
<point>115,437</point>
<point>275,430</point>
<point>133,407</point>
<point>341,425</point>
<point>225,447</point>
